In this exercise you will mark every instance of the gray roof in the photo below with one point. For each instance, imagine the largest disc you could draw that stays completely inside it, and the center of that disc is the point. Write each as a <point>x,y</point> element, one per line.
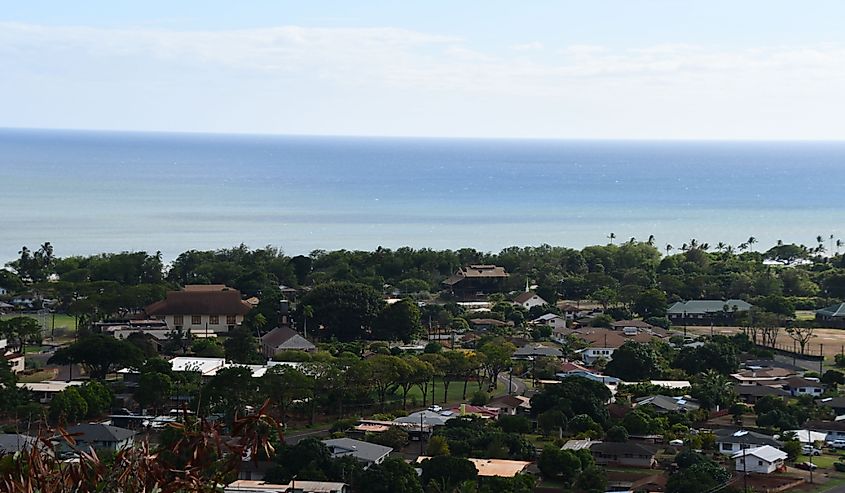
<point>833,311</point>
<point>745,437</point>
<point>538,350</point>
<point>363,451</point>
<point>760,390</point>
<point>622,448</point>
<point>99,433</point>
<point>694,307</point>
<point>11,443</point>
<point>286,338</point>
<point>668,403</point>
<point>429,418</point>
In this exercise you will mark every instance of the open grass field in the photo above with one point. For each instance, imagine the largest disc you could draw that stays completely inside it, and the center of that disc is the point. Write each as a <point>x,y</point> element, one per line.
<point>455,395</point>
<point>832,339</point>
<point>63,325</point>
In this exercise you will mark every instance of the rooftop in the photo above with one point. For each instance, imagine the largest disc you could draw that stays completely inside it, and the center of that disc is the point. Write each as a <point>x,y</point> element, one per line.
<point>696,307</point>
<point>494,467</point>
<point>365,451</point>
<point>212,299</point>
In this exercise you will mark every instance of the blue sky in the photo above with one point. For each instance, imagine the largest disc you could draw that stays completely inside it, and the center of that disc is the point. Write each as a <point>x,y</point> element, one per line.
<point>597,69</point>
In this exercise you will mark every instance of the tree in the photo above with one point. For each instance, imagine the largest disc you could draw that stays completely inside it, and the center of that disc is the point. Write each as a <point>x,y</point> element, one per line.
<point>395,438</point>
<point>242,347</point>
<point>437,445</point>
<point>833,377</point>
<point>700,477</point>
<point>497,357</point>
<point>346,310</point>
<point>713,390</point>
<point>68,405</point>
<point>651,303</point>
<point>514,424</point>
<point>21,330</point>
<point>99,354</point>
<point>230,391</point>
<point>401,320</point>
<point>97,396</point>
<point>154,390</point>
<point>448,471</point>
<point>634,361</point>
<point>801,335</point>
<point>557,464</point>
<point>593,479</point>
<point>282,385</point>
<point>617,434</point>
<point>11,396</point>
<point>385,372</point>
<point>552,420</point>
<point>394,475</point>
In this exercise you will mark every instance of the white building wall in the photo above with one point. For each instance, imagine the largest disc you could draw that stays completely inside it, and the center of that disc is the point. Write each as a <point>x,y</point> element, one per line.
<point>188,322</point>
<point>756,465</point>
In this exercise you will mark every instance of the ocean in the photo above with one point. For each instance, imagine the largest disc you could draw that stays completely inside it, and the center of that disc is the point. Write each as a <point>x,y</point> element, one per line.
<point>91,192</point>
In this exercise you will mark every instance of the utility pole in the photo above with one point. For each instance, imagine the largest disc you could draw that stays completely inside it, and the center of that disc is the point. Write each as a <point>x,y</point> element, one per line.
<point>421,431</point>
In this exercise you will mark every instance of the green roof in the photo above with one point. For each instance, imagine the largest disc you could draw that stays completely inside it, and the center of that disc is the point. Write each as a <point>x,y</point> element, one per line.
<point>693,307</point>
<point>832,311</point>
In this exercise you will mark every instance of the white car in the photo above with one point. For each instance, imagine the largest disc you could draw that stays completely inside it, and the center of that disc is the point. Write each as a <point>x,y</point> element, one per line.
<point>810,450</point>
<point>435,408</point>
<point>838,444</point>
<point>676,443</point>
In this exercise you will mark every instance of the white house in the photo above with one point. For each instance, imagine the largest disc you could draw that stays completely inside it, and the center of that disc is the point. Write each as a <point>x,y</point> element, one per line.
<point>15,360</point>
<point>729,442</point>
<point>366,452</point>
<point>804,386</point>
<point>196,308</point>
<point>762,460</point>
<point>551,320</point>
<point>529,300</point>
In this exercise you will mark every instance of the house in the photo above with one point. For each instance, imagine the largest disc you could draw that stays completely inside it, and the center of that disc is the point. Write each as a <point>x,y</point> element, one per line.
<point>835,403</point>
<point>632,326</point>
<point>761,460</point>
<point>16,360</point>
<point>550,320</point>
<point>832,316</point>
<point>529,300</point>
<point>833,430</point>
<point>214,307</point>
<point>511,405</point>
<point>579,444</point>
<point>663,404</point>
<point>97,437</point>
<point>480,411</point>
<point>295,486</point>
<point>426,417</point>
<point>601,343</point>
<point>705,312</point>
<point>531,351</point>
<point>570,312</point>
<point>751,393</point>
<point>763,376</point>
<point>284,339</point>
<point>366,452</point>
<point>476,281</point>
<point>12,443</point>
<point>803,386</point>
<point>45,391</point>
<point>730,441</point>
<point>626,454</point>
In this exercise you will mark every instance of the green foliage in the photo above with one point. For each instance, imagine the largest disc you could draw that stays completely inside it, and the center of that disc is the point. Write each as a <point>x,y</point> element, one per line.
<point>718,356</point>
<point>99,354</point>
<point>447,471</point>
<point>699,477</point>
<point>292,355</point>
<point>68,405</point>
<point>432,348</point>
<point>241,346</point>
<point>230,391</point>
<point>347,310</point>
<point>399,321</point>
<point>154,390</point>
<point>593,479</point>
<point>584,425</point>
<point>634,361</point>
<point>437,445</point>
<point>651,303</point>
<point>11,397</point>
<point>574,395</point>
<point>394,475</point>
<point>713,390</point>
<point>207,348</point>
<point>557,464</point>
<point>617,434</point>
<point>479,398</point>
<point>514,424</point>
<point>474,437</point>
<point>395,438</point>
<point>792,449</point>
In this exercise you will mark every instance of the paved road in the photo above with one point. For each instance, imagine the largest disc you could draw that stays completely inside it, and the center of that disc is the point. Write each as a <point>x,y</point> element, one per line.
<point>295,437</point>
<point>518,386</point>
<point>810,365</point>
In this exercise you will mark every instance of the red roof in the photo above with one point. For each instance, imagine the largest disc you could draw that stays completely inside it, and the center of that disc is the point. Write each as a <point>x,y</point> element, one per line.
<point>205,300</point>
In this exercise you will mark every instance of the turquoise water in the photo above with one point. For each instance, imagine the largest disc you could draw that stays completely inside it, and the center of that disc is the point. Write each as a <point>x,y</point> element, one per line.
<point>89,192</point>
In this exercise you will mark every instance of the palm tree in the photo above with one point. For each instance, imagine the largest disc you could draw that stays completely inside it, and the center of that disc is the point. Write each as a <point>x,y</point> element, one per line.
<point>838,246</point>
<point>780,243</point>
<point>632,241</point>
<point>307,312</point>
<point>684,247</point>
<point>650,240</point>
<point>742,247</point>
<point>705,246</point>
<point>669,248</point>
<point>693,244</point>
<point>611,236</point>
<point>751,241</point>
<point>720,246</point>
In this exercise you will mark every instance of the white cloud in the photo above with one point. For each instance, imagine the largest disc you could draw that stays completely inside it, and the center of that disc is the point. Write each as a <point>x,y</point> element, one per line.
<point>602,88</point>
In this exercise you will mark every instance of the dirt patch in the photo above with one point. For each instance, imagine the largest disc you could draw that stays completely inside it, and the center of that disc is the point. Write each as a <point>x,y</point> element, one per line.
<point>832,339</point>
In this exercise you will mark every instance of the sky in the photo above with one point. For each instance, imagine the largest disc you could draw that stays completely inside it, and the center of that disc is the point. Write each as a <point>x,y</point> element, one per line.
<point>598,69</point>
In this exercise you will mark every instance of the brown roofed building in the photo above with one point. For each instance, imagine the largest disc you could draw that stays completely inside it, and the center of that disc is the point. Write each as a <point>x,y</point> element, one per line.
<point>212,307</point>
<point>476,281</point>
<point>284,339</point>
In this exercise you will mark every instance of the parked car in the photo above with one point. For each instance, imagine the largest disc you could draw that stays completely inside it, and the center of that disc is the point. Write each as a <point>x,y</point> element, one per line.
<point>839,444</point>
<point>807,466</point>
<point>810,450</point>
<point>435,408</point>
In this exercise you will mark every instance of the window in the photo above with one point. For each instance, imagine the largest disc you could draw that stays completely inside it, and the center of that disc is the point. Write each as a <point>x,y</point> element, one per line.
<point>727,446</point>
<point>214,319</point>
<point>759,463</point>
<point>177,319</point>
<point>196,319</point>
<point>230,320</point>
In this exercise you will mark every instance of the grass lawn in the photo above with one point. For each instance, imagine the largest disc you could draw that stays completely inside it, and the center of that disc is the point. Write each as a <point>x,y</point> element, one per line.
<point>824,461</point>
<point>38,376</point>
<point>63,323</point>
<point>456,390</point>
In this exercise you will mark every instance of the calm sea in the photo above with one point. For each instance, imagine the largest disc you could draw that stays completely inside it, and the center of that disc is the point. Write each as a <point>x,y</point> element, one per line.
<point>90,192</point>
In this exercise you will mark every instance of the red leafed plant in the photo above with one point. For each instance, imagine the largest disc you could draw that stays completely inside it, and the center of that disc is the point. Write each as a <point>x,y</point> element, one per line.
<point>197,457</point>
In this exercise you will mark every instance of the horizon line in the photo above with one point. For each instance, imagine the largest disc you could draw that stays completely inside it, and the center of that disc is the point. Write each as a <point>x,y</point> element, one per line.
<point>417,137</point>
